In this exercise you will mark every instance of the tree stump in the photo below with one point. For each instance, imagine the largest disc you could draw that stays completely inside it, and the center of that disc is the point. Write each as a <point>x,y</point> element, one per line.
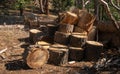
<point>35,35</point>
<point>69,18</point>
<point>77,40</point>
<point>92,34</point>
<point>37,57</point>
<point>58,54</point>
<point>43,44</point>
<point>66,28</point>
<point>93,50</point>
<point>52,29</point>
<point>78,29</point>
<point>62,38</point>
<point>75,54</point>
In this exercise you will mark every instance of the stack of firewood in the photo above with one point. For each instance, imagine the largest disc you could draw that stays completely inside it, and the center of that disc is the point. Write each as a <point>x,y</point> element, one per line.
<point>74,40</point>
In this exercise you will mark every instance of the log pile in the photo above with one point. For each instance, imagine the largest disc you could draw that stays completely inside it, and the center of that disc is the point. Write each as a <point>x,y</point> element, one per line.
<point>73,39</point>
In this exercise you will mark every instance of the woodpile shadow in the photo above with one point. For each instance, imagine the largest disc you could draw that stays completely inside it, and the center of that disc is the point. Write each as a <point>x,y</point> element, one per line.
<point>16,65</point>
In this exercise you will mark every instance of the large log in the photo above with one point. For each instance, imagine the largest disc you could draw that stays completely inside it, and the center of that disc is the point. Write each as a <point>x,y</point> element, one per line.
<point>66,28</point>
<point>69,18</point>
<point>58,54</point>
<point>76,54</point>
<point>92,34</point>
<point>93,50</point>
<point>77,40</point>
<point>52,29</point>
<point>86,20</point>
<point>35,35</point>
<point>37,57</point>
<point>62,38</point>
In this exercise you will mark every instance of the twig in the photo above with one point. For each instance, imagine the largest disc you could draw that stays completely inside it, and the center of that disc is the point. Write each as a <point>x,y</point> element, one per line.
<point>3,50</point>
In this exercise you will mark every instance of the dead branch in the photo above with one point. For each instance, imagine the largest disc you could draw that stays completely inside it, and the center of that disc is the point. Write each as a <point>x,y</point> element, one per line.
<point>3,50</point>
<point>115,6</point>
<point>105,4</point>
<point>87,2</point>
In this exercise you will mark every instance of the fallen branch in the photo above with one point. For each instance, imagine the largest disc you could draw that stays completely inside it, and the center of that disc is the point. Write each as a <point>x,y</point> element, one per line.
<point>105,4</point>
<point>116,7</point>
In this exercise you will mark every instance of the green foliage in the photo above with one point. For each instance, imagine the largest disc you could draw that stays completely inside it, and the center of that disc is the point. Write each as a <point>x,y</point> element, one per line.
<point>21,3</point>
<point>62,5</point>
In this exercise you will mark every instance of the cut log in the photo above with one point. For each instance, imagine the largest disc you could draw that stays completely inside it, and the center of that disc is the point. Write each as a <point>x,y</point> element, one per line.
<point>86,20</point>
<point>78,29</point>
<point>66,28</point>
<point>37,58</point>
<point>58,54</point>
<point>35,35</point>
<point>70,18</point>
<point>48,39</point>
<point>93,50</point>
<point>52,29</point>
<point>43,44</point>
<point>77,40</point>
<point>75,10</point>
<point>34,24</point>
<point>75,54</point>
<point>92,34</point>
<point>62,38</point>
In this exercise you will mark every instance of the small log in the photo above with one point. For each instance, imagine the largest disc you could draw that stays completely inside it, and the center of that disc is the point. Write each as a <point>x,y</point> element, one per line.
<point>34,24</point>
<point>62,38</point>
<point>69,18</point>
<point>66,28</point>
<point>93,50</point>
<point>35,35</point>
<point>75,54</point>
<point>77,40</point>
<point>43,44</point>
<point>37,58</point>
<point>92,34</point>
<point>52,29</point>
<point>58,54</point>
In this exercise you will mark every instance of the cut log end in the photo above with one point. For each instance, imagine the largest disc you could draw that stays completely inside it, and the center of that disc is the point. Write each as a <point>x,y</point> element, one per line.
<point>37,58</point>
